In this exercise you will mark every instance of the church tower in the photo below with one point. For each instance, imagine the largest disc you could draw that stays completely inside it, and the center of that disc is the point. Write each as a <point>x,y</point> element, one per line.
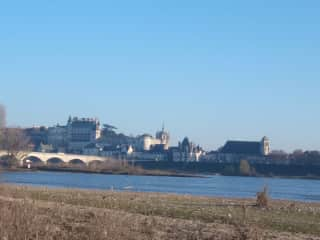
<point>265,146</point>
<point>164,137</point>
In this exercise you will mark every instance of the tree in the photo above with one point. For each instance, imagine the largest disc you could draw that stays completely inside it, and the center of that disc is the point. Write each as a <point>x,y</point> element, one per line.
<point>279,155</point>
<point>2,116</point>
<point>311,158</point>
<point>15,143</point>
<point>229,170</point>
<point>111,137</point>
<point>298,152</point>
<point>2,122</point>
<point>109,127</point>
<point>245,168</point>
<point>298,156</point>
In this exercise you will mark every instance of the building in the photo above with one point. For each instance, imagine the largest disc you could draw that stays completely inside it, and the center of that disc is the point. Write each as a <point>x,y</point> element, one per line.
<point>37,136</point>
<point>147,157</point>
<point>186,151</point>
<point>113,151</point>
<point>235,151</point>
<point>146,142</point>
<point>164,138</point>
<point>81,132</point>
<point>127,149</point>
<point>92,149</point>
<point>57,137</point>
<point>261,148</point>
<point>265,146</point>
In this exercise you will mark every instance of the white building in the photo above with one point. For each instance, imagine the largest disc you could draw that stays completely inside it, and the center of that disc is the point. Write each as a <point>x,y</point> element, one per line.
<point>147,142</point>
<point>265,146</point>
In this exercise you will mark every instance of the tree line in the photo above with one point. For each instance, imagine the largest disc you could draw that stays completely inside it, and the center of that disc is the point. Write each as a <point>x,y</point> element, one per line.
<point>298,157</point>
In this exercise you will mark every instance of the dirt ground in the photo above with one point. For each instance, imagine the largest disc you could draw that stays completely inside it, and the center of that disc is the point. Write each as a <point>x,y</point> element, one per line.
<point>41,213</point>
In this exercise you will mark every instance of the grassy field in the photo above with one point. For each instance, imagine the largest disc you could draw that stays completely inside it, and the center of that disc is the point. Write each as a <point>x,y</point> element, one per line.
<point>41,213</point>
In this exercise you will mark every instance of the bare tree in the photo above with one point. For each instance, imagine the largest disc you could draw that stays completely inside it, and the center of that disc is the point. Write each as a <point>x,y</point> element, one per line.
<point>2,116</point>
<point>2,123</point>
<point>15,143</point>
<point>245,168</point>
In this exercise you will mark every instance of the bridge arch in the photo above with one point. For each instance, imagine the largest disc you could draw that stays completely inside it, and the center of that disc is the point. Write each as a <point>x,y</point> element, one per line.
<point>55,161</point>
<point>33,159</point>
<point>77,162</point>
<point>95,163</point>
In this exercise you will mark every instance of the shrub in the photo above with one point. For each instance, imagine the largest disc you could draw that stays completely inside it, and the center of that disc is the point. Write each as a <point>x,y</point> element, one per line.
<point>263,198</point>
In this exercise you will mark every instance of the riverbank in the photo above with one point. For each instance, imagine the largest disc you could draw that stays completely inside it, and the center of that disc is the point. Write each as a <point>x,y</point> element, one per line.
<point>136,171</point>
<point>43,213</point>
<point>233,169</point>
<point>144,172</point>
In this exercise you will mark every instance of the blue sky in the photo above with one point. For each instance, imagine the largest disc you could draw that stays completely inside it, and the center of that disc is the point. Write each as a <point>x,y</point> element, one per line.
<point>211,70</point>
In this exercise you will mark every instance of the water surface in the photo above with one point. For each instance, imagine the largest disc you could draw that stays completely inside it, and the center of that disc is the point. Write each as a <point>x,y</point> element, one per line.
<point>220,186</point>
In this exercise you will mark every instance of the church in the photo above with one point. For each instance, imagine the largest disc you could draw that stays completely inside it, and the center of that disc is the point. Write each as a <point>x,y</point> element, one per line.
<point>235,151</point>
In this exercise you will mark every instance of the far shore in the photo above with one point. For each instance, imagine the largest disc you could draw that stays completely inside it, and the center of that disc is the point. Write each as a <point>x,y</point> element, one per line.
<point>143,172</point>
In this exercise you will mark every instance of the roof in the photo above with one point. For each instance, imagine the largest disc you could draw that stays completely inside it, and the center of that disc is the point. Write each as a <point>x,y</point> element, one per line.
<point>242,147</point>
<point>146,135</point>
<point>213,152</point>
<point>111,148</point>
<point>174,148</point>
<point>158,148</point>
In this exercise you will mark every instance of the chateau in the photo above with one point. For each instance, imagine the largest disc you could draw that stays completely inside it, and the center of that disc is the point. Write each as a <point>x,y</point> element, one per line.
<point>75,136</point>
<point>147,142</point>
<point>85,136</point>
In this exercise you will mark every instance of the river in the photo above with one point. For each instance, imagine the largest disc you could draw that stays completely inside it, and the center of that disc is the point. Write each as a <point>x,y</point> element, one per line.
<point>219,186</point>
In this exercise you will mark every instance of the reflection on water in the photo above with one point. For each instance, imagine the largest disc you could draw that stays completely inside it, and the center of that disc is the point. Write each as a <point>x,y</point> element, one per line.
<point>223,186</point>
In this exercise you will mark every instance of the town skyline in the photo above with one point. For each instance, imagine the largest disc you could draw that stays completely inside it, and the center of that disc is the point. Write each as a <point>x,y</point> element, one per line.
<point>212,71</point>
<point>159,119</point>
<point>174,140</point>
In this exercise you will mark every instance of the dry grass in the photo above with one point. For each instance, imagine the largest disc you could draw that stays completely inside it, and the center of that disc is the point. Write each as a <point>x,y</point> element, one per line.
<point>40,213</point>
<point>263,198</point>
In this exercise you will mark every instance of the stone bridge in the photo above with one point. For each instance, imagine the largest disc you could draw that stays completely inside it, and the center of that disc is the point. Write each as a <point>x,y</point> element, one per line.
<point>57,158</point>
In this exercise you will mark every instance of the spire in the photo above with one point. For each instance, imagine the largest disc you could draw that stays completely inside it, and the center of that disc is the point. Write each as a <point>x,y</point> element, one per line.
<point>163,126</point>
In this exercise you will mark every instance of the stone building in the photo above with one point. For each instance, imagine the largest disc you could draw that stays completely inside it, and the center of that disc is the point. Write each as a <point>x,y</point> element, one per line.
<point>82,132</point>
<point>147,142</point>
<point>235,151</point>
<point>37,136</point>
<point>164,138</point>
<point>186,152</point>
<point>57,137</point>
